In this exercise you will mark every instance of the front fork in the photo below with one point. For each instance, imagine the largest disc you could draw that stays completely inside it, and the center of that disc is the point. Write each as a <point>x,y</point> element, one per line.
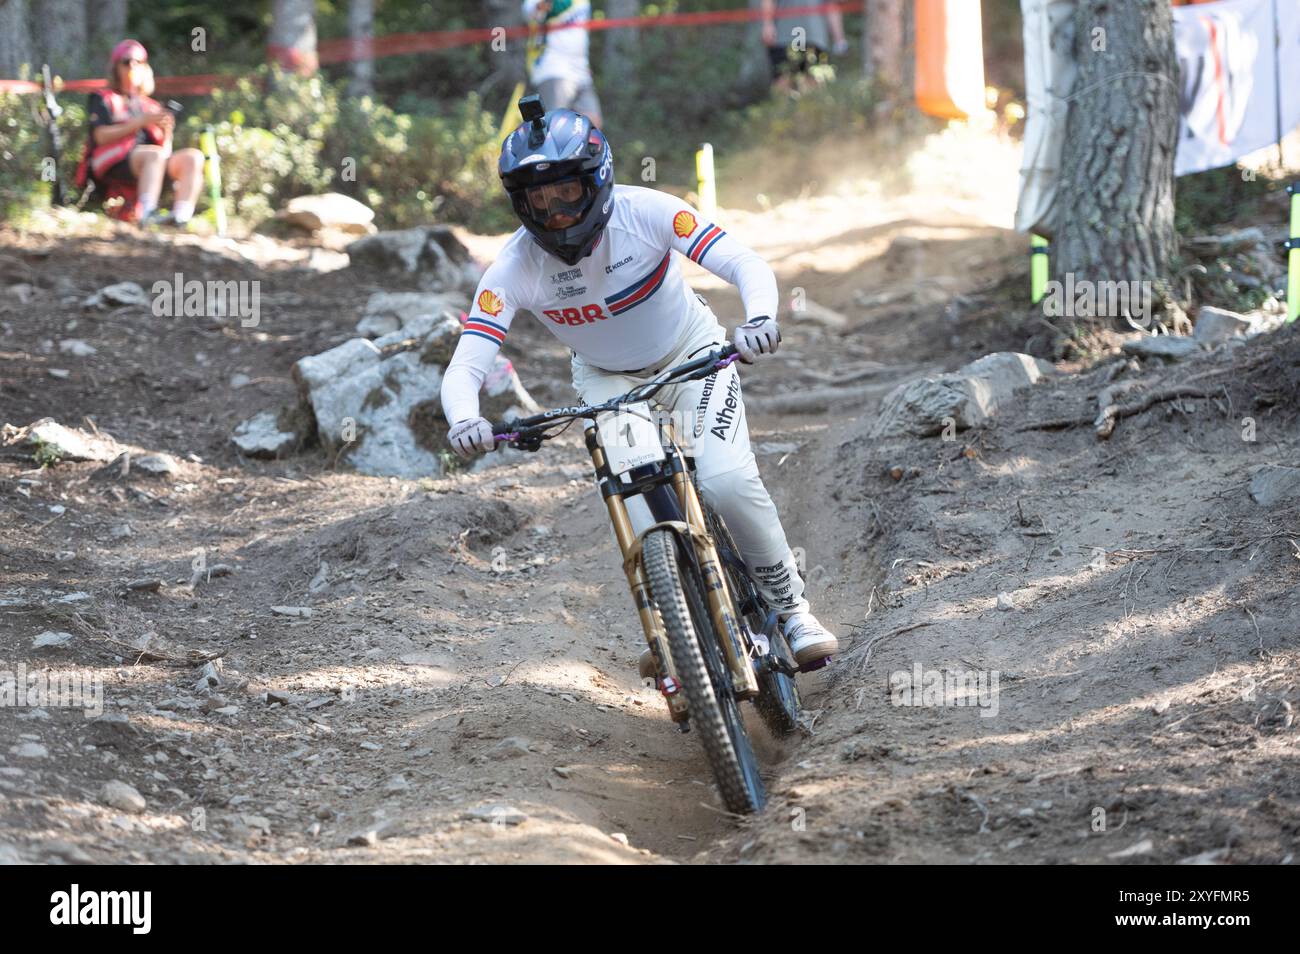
<point>717,593</point>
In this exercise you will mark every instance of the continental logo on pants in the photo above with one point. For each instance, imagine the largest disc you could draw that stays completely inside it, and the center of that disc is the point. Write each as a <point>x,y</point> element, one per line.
<point>702,408</point>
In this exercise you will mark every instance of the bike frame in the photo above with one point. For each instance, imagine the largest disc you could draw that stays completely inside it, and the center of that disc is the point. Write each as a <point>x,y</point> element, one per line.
<point>670,494</point>
<point>668,487</point>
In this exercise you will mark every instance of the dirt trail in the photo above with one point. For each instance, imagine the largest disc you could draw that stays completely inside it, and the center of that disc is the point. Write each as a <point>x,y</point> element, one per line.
<point>465,687</point>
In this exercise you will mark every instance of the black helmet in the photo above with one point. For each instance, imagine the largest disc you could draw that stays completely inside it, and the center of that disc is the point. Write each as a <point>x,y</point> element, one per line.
<point>559,172</point>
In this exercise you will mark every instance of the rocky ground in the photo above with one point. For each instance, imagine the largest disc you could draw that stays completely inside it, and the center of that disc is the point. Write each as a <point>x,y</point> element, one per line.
<point>300,663</point>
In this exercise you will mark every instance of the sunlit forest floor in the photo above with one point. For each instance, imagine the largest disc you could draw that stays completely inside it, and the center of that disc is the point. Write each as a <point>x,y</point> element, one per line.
<point>437,707</point>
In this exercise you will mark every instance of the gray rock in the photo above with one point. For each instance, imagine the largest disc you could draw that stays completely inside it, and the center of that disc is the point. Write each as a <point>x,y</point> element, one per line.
<point>9,855</point>
<point>511,748</point>
<point>377,403</point>
<point>113,730</point>
<point>1219,324</point>
<point>52,640</point>
<point>1168,347</point>
<point>387,312</point>
<point>1264,322</point>
<point>67,851</point>
<point>29,750</point>
<point>968,397</point>
<point>23,291</point>
<point>156,464</point>
<point>262,436</point>
<point>121,293</point>
<point>77,348</point>
<point>376,326</point>
<point>1275,485</point>
<point>321,580</point>
<point>123,797</point>
<point>209,675</point>
<point>1006,602</point>
<point>431,254</point>
<point>68,443</point>
<point>496,814</point>
<point>298,611</point>
<point>330,210</point>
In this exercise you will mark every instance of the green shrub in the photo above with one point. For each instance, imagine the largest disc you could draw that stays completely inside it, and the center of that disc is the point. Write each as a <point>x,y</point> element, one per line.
<point>1204,200</point>
<point>413,168</point>
<point>23,147</point>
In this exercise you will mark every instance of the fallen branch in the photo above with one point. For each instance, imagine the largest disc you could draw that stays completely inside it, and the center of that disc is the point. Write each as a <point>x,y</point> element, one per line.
<point>191,657</point>
<point>818,400</point>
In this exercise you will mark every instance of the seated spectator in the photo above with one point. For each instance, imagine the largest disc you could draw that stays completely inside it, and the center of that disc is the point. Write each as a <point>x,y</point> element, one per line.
<point>130,141</point>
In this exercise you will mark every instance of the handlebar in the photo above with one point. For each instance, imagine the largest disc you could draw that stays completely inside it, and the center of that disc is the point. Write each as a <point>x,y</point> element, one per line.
<point>529,432</point>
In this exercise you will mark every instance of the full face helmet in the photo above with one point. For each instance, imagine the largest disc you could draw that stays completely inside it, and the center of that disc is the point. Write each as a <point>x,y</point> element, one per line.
<point>559,172</point>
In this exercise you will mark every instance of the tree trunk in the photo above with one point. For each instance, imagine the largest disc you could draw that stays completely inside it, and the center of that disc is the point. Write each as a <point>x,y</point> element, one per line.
<point>106,27</point>
<point>15,39</point>
<point>620,45</point>
<point>59,27</point>
<point>755,73</point>
<point>292,42</point>
<point>361,30</point>
<point>508,62</point>
<point>1117,168</point>
<point>883,43</point>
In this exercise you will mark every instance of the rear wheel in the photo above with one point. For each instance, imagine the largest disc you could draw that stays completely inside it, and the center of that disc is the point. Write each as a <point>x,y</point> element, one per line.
<point>697,656</point>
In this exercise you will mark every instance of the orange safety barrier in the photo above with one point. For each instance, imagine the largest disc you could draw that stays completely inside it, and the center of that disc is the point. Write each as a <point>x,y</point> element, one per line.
<point>949,58</point>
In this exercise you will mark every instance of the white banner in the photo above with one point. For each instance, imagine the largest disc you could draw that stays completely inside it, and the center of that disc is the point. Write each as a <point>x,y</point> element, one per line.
<point>1231,76</point>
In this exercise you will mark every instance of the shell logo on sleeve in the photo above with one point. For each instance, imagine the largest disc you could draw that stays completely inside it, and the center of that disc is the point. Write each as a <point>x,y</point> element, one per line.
<point>490,303</point>
<point>683,224</point>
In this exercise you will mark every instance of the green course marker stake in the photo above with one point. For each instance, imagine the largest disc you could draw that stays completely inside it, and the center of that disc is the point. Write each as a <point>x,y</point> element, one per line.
<point>1293,257</point>
<point>212,173</point>
<point>1039,251</point>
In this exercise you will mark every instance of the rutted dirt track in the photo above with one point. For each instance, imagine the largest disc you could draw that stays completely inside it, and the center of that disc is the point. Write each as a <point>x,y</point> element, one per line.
<point>471,650</point>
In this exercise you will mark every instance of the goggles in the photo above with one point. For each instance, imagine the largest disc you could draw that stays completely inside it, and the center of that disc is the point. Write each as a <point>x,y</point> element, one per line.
<point>558,205</point>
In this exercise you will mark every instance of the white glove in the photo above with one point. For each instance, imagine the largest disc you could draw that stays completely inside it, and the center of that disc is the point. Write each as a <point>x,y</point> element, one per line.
<point>755,337</point>
<point>470,437</point>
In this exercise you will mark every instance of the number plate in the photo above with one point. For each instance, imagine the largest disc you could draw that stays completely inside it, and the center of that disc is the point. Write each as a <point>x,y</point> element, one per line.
<point>630,437</point>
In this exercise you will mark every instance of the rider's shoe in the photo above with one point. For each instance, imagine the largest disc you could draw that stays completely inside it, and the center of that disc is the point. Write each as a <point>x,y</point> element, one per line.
<point>646,665</point>
<point>809,640</point>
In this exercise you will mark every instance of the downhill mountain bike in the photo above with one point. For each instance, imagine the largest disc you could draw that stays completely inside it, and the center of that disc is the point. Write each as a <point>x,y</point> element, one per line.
<point>715,641</point>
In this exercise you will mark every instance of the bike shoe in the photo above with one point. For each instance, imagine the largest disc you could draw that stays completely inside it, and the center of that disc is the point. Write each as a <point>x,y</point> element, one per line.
<point>809,640</point>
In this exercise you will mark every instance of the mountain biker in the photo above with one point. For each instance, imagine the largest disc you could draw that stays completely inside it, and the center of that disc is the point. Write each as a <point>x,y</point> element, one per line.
<point>593,262</point>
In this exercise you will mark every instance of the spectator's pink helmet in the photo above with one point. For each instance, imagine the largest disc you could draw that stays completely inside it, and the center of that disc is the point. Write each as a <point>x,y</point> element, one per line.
<point>127,49</point>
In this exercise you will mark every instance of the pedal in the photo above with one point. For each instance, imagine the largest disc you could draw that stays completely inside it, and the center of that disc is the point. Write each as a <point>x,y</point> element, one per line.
<point>816,664</point>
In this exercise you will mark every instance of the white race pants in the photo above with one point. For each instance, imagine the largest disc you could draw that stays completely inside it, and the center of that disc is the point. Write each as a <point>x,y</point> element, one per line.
<point>709,416</point>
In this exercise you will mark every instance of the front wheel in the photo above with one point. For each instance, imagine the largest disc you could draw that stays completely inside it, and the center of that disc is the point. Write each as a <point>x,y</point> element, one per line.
<point>697,656</point>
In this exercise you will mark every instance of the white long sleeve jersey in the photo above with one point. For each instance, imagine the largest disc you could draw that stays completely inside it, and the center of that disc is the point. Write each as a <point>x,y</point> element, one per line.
<point>621,308</point>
